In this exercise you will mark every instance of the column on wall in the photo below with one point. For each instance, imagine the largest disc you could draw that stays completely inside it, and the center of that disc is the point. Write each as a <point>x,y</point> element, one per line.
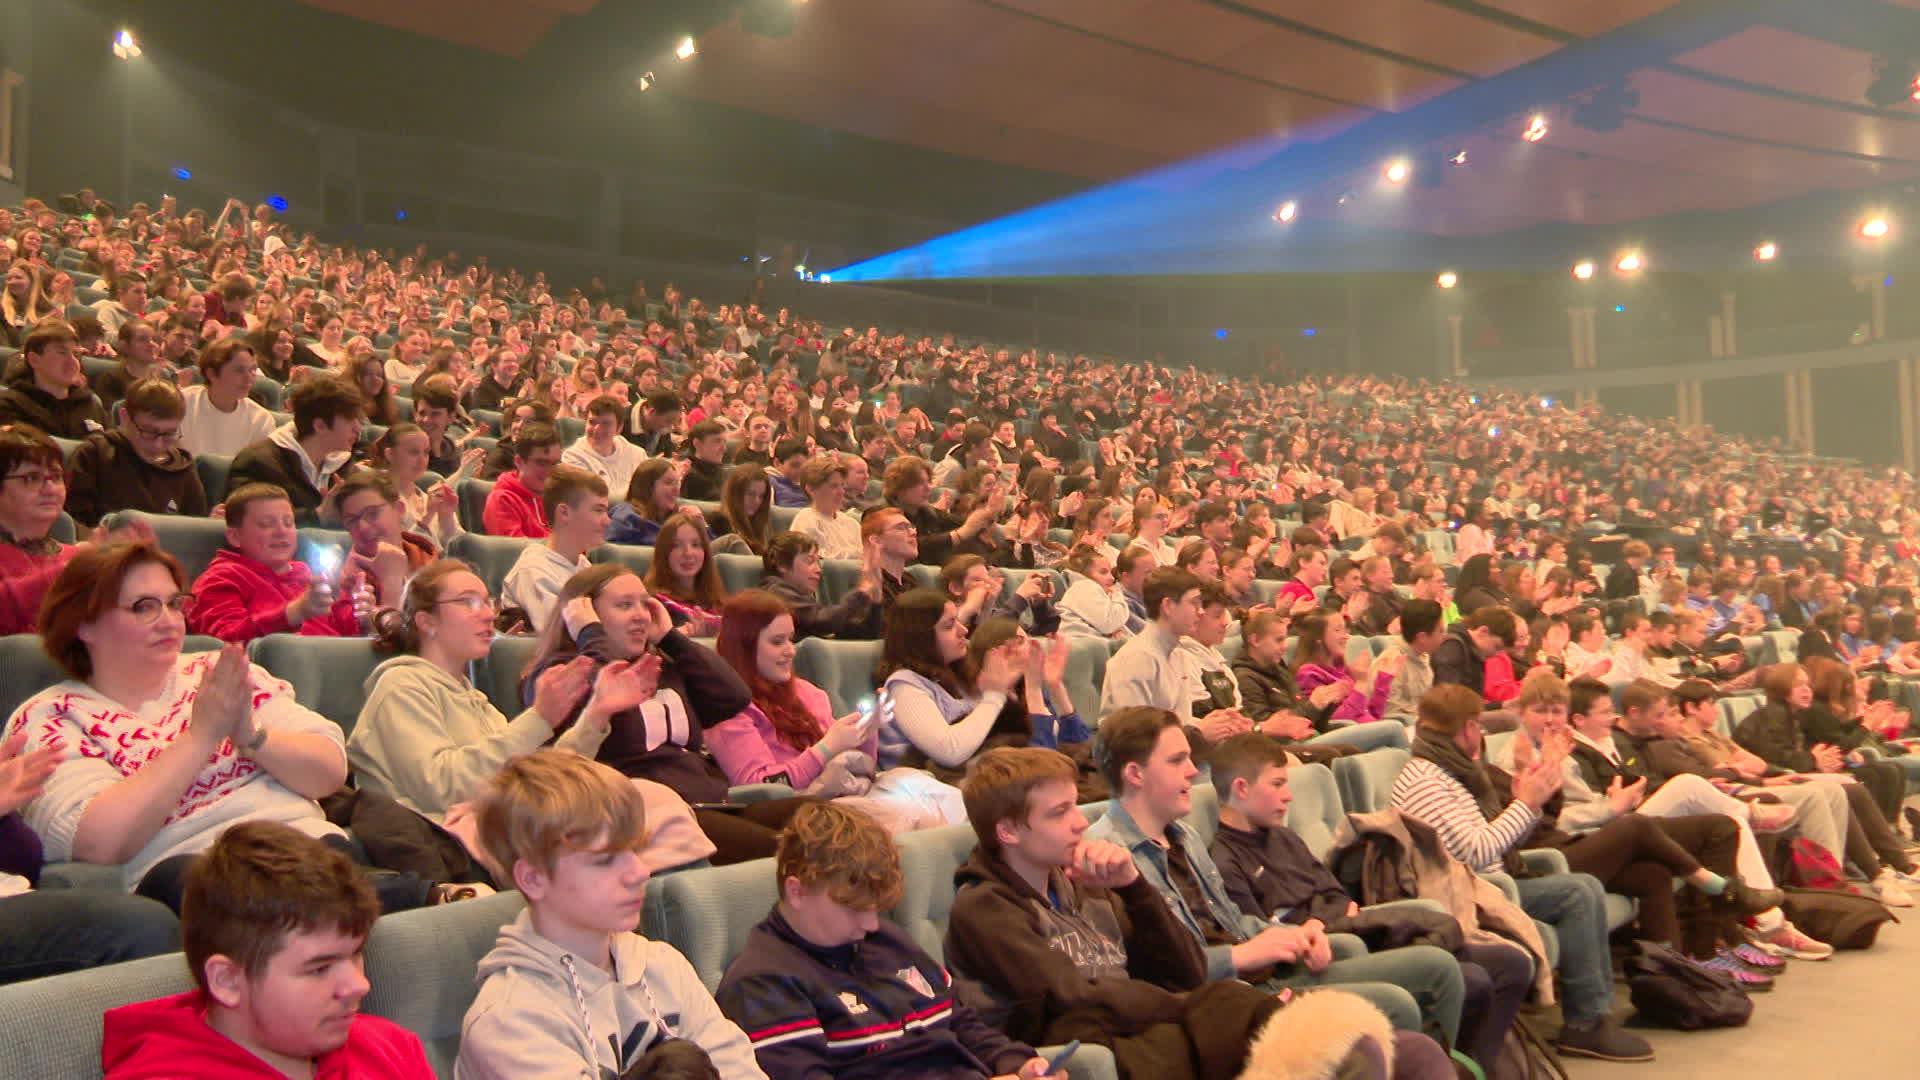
<point>1791,387</point>
<point>1456,350</point>
<point>1904,369</point>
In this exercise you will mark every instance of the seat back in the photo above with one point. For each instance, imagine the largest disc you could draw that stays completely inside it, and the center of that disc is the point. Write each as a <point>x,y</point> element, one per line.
<point>1086,670</point>
<point>1316,812</point>
<point>780,518</point>
<point>928,859</point>
<point>838,577</point>
<point>1365,781</point>
<point>422,963</point>
<point>328,674</point>
<point>1736,708</point>
<point>844,669</point>
<point>633,556</point>
<point>1204,815</point>
<point>490,556</point>
<point>473,503</point>
<point>498,676</point>
<point>1786,646</point>
<point>192,540</point>
<point>54,1024</point>
<point>737,572</point>
<point>213,470</point>
<point>26,669</point>
<point>707,913</point>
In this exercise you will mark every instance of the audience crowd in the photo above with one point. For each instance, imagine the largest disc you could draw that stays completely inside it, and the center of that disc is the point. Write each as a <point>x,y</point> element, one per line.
<point>1552,616</point>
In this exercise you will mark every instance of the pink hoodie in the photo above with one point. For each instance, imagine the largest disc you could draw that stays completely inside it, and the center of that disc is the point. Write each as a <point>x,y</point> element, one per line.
<point>749,750</point>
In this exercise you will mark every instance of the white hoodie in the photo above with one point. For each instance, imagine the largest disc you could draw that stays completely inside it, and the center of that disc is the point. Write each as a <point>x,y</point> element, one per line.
<point>545,1012</point>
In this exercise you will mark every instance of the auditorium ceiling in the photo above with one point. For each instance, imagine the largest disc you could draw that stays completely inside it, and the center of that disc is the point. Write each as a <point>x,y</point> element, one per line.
<point>1730,104</point>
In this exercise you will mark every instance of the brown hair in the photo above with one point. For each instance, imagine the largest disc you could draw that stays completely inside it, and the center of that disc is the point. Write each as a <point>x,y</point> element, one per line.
<point>1244,757</point>
<point>546,804</point>
<point>827,845</point>
<point>706,591</point>
<point>566,485</point>
<point>819,470</point>
<point>750,528</point>
<point>47,332</point>
<point>901,474</point>
<point>1447,708</point>
<point>88,587</point>
<point>260,882</point>
<point>394,630</point>
<point>1000,781</point>
<point>1127,737</point>
<point>24,444</point>
<point>1643,694</point>
<point>647,476</point>
<point>1778,679</point>
<point>1542,688</point>
<point>244,496</point>
<point>324,399</point>
<point>1833,684</point>
<point>158,398</point>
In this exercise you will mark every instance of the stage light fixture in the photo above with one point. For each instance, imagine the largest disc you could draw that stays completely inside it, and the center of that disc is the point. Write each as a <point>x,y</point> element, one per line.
<point>1875,228</point>
<point>1583,270</point>
<point>126,46</point>
<point>1447,279</point>
<point>646,82</point>
<point>1895,82</point>
<point>685,49</point>
<point>826,279</point>
<point>1397,171</point>
<point>1458,157</point>
<point>1536,128</point>
<point>1287,212</point>
<point>1629,262</point>
<point>1767,252</point>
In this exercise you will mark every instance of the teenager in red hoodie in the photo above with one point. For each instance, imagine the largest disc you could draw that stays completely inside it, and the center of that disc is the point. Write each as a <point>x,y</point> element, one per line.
<point>272,1002</point>
<point>255,586</point>
<point>513,507</point>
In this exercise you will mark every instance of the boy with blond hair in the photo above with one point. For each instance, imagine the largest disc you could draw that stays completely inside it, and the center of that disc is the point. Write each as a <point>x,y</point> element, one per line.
<point>571,989</point>
<point>825,987</point>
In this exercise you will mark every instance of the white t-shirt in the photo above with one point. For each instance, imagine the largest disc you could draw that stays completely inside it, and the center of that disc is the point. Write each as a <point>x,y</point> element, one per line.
<point>838,536</point>
<point>616,468</point>
<point>535,582</point>
<point>204,429</point>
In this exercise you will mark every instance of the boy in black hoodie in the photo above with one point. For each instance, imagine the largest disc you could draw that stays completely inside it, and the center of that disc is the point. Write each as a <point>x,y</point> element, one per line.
<point>1068,941</point>
<point>825,987</point>
<point>1271,873</point>
<point>139,465</point>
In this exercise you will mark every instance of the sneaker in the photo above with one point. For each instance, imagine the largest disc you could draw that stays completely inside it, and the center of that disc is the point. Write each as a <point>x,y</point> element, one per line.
<point>1748,900</point>
<point>1787,940</point>
<point>1744,977</point>
<point>1759,959</point>
<point>1604,1040</point>
<point>1892,893</point>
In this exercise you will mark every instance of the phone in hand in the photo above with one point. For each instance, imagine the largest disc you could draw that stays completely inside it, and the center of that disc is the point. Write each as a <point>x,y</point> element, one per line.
<point>1059,1061</point>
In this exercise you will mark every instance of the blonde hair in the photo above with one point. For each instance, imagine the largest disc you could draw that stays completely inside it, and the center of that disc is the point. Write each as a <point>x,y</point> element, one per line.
<point>1542,688</point>
<point>845,851</point>
<point>542,805</point>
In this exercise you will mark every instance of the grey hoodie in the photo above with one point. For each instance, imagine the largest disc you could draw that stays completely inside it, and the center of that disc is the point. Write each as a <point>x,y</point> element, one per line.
<point>430,740</point>
<point>545,1012</point>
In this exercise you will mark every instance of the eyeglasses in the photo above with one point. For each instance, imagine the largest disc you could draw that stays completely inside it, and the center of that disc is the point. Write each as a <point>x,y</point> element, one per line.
<point>147,609</point>
<point>475,603</point>
<point>146,432</point>
<point>40,478</point>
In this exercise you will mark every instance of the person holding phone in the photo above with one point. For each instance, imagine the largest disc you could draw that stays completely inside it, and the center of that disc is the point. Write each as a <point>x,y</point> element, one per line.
<point>255,586</point>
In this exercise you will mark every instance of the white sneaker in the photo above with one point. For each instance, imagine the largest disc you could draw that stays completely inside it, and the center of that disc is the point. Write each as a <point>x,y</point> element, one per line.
<point>1892,893</point>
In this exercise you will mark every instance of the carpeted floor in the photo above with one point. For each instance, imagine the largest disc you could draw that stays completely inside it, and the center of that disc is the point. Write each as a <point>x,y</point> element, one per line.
<point>1852,1014</point>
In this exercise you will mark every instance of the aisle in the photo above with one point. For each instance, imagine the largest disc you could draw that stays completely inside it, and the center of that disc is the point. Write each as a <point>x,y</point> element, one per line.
<point>1855,1012</point>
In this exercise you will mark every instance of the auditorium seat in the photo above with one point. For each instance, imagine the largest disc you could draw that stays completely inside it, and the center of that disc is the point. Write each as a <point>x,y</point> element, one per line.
<point>328,674</point>
<point>1365,781</point>
<point>632,556</point>
<point>780,518</point>
<point>498,676</point>
<point>473,503</point>
<point>28,669</point>
<point>192,540</point>
<point>1086,670</point>
<point>490,556</point>
<point>838,577</point>
<point>737,572</point>
<point>844,669</point>
<point>213,470</point>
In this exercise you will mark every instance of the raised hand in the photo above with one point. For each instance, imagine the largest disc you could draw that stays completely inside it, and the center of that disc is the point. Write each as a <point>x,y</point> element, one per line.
<point>559,689</point>
<point>223,706</point>
<point>24,773</point>
<point>1102,865</point>
<point>578,614</point>
<point>624,685</point>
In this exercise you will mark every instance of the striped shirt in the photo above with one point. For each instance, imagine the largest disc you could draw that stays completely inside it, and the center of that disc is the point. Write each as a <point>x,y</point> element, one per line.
<point>1424,790</point>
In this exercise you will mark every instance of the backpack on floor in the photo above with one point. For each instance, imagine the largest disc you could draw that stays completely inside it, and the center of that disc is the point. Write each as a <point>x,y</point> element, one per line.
<point>1841,919</point>
<point>1670,991</point>
<point>1811,866</point>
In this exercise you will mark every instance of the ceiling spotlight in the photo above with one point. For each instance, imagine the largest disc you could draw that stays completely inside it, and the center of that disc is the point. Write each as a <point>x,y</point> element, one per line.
<point>1397,171</point>
<point>1767,252</point>
<point>800,269</point>
<point>1629,262</point>
<point>125,45</point>
<point>1458,157</point>
<point>1875,228</point>
<point>1345,197</point>
<point>1583,270</point>
<point>1447,279</point>
<point>1536,128</point>
<point>646,82</point>
<point>1895,82</point>
<point>1287,212</point>
<point>685,49</point>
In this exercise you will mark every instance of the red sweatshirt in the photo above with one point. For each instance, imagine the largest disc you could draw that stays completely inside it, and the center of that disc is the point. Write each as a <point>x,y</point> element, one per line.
<point>239,599</point>
<point>24,580</point>
<point>514,510</point>
<point>169,1037</point>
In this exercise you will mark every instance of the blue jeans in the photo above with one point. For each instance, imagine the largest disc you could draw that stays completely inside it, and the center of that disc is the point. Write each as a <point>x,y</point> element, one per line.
<point>1417,986</point>
<point>1575,905</point>
<point>1369,736</point>
<point>61,930</point>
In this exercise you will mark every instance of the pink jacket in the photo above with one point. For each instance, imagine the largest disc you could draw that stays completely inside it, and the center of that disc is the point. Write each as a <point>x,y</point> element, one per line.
<point>239,599</point>
<point>514,510</point>
<point>1357,705</point>
<point>750,751</point>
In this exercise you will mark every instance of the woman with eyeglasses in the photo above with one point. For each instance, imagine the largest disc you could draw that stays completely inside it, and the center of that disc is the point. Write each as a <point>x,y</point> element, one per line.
<point>430,739</point>
<point>33,487</point>
<point>161,750</point>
